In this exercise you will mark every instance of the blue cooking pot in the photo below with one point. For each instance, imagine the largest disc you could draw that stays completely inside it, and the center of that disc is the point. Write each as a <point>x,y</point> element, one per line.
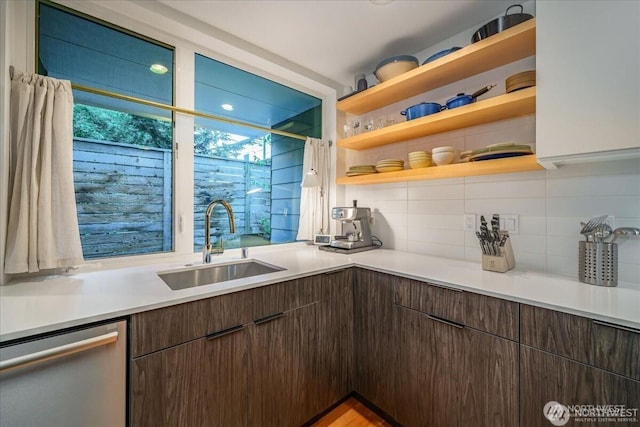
<point>462,99</point>
<point>421,110</point>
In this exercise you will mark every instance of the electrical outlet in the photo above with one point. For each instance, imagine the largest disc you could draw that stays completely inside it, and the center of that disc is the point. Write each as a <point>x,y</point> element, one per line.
<point>469,222</point>
<point>510,223</point>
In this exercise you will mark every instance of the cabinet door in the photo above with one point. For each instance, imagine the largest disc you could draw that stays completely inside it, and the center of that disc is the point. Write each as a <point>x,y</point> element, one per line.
<point>335,340</point>
<point>282,368</point>
<point>374,341</point>
<point>588,63</point>
<point>429,361</point>
<point>488,380</point>
<point>549,378</point>
<point>203,382</point>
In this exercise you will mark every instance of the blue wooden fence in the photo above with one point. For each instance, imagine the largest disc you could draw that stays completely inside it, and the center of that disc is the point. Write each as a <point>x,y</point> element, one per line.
<point>124,197</point>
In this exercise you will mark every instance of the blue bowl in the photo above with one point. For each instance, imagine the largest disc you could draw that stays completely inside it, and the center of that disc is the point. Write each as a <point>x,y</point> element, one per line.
<point>441,54</point>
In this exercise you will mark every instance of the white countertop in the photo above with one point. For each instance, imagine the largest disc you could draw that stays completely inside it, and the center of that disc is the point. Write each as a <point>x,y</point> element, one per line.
<point>55,302</point>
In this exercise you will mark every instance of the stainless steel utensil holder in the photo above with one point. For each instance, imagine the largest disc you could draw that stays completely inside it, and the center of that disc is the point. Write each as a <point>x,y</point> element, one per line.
<point>598,263</point>
<point>500,263</point>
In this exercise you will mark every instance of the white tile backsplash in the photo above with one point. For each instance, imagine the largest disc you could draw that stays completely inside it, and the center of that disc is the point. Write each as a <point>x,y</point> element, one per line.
<point>428,216</point>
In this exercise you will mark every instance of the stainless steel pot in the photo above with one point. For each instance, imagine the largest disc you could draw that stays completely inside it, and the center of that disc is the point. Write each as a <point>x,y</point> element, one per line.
<point>501,23</point>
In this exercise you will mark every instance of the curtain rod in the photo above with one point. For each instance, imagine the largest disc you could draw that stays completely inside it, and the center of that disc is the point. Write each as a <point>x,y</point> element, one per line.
<point>177,109</point>
<point>183,110</point>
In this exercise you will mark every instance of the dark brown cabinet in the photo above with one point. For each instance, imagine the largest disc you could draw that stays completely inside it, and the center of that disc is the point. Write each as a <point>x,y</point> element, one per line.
<point>577,362</point>
<point>202,382</point>
<point>426,354</point>
<point>374,341</point>
<point>448,373</point>
<point>280,355</point>
<point>546,377</point>
<point>301,360</point>
<point>429,358</point>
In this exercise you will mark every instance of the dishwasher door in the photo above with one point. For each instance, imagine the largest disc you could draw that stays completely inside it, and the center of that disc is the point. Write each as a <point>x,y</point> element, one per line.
<point>75,379</point>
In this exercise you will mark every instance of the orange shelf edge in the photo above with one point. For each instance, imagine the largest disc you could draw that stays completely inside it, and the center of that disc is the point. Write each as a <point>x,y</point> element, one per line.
<point>508,46</point>
<point>499,107</point>
<point>486,167</point>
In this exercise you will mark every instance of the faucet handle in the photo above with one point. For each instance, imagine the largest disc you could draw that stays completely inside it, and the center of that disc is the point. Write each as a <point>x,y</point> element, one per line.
<point>206,254</point>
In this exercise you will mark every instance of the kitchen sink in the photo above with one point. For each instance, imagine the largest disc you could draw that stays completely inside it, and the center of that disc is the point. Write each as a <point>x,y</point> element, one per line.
<point>210,274</point>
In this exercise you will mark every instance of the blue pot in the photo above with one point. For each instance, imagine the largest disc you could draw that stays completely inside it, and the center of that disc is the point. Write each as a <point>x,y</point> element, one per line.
<point>421,110</point>
<point>462,99</point>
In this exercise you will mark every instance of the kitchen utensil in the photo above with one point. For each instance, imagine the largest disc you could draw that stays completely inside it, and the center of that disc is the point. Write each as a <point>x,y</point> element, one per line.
<point>625,231</point>
<point>500,24</point>
<point>394,66</point>
<point>461,99</point>
<point>421,110</point>
<point>602,232</point>
<point>598,263</point>
<point>519,81</point>
<point>441,54</point>
<point>590,226</point>
<point>360,82</point>
<point>495,227</point>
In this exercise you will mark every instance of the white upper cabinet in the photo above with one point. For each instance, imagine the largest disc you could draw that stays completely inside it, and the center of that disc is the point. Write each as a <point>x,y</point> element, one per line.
<point>588,80</point>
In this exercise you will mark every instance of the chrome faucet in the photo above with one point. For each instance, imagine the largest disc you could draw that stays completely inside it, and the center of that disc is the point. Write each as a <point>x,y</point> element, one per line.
<point>208,247</point>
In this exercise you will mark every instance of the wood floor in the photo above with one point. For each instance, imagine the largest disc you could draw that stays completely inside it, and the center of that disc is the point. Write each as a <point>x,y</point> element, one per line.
<point>351,413</point>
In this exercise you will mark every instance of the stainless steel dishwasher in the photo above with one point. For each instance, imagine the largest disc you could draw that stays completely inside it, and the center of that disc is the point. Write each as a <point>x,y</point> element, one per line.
<point>73,379</point>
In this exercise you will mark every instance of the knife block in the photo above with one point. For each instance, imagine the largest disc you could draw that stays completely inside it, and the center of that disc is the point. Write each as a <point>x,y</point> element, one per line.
<point>500,263</point>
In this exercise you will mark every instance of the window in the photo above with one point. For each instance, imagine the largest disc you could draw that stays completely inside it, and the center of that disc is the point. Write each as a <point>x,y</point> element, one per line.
<point>122,149</point>
<point>248,150</point>
<point>258,172</point>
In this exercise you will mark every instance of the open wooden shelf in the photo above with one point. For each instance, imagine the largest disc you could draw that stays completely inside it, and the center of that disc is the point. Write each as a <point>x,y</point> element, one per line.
<point>503,48</point>
<point>486,167</point>
<point>489,110</point>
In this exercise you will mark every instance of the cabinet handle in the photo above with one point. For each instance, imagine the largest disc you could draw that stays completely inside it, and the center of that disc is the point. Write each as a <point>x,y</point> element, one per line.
<point>57,352</point>
<point>446,322</point>
<point>269,318</point>
<point>328,273</point>
<point>610,325</point>
<point>224,332</point>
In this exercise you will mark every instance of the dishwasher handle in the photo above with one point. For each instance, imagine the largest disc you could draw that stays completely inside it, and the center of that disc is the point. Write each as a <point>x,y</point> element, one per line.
<point>57,352</point>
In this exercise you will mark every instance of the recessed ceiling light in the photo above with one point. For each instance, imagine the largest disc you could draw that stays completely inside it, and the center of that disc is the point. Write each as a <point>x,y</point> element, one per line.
<point>158,69</point>
<point>380,2</point>
<point>227,107</point>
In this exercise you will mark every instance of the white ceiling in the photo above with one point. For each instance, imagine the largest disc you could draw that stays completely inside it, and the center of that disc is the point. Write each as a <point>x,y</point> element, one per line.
<point>338,39</point>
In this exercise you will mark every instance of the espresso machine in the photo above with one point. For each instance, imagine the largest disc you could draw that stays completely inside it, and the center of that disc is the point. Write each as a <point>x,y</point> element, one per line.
<point>355,234</point>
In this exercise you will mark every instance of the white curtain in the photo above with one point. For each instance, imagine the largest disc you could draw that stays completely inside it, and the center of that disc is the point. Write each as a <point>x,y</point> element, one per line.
<point>43,226</point>
<point>314,201</point>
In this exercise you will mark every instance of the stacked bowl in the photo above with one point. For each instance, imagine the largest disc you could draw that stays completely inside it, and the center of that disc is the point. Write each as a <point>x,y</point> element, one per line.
<point>419,159</point>
<point>444,155</point>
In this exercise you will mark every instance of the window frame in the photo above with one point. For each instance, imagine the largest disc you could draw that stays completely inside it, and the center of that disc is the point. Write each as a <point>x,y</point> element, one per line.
<point>135,19</point>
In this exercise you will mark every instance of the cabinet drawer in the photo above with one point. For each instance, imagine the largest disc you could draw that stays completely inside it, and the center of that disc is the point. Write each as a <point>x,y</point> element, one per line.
<point>435,300</point>
<point>616,349</point>
<point>603,345</point>
<point>289,295</point>
<point>165,327</point>
<point>493,315</point>
<point>558,333</point>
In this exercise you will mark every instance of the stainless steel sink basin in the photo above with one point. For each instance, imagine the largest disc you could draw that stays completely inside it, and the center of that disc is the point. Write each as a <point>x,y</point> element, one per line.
<point>209,274</point>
